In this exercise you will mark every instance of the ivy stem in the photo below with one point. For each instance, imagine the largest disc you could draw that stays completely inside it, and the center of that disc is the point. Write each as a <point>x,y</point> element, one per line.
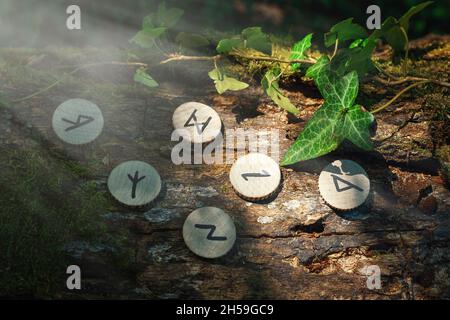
<point>190,58</point>
<point>398,80</point>
<point>405,62</point>
<point>272,59</point>
<point>336,44</point>
<point>387,104</point>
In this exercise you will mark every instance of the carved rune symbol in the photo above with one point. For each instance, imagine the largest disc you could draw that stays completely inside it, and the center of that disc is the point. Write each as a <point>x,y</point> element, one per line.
<point>211,232</point>
<point>135,180</point>
<point>263,174</point>
<point>200,126</point>
<point>78,123</point>
<point>350,185</point>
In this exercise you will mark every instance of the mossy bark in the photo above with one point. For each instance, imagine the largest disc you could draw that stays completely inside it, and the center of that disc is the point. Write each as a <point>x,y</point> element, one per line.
<point>295,247</point>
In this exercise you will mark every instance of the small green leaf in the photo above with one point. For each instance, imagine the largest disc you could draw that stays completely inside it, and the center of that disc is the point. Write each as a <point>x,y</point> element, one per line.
<point>337,119</point>
<point>145,38</point>
<point>142,77</point>
<point>358,58</point>
<point>167,17</point>
<point>343,31</point>
<point>357,43</point>
<point>191,40</point>
<point>404,20</point>
<point>298,50</point>
<point>393,34</point>
<point>270,85</point>
<point>255,39</point>
<point>314,70</point>
<point>395,31</point>
<point>227,45</point>
<point>224,83</point>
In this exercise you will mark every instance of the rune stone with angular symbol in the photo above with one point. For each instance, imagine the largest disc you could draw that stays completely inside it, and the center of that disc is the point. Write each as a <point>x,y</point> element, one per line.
<point>255,176</point>
<point>344,184</point>
<point>134,183</point>
<point>209,232</point>
<point>197,122</point>
<point>77,121</point>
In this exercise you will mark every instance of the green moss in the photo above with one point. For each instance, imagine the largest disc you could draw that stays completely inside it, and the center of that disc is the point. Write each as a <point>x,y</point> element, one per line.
<point>43,207</point>
<point>443,155</point>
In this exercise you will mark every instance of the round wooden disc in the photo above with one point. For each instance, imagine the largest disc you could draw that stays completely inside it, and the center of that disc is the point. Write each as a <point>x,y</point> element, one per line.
<point>134,183</point>
<point>77,121</point>
<point>255,176</point>
<point>209,232</point>
<point>344,184</point>
<point>197,122</point>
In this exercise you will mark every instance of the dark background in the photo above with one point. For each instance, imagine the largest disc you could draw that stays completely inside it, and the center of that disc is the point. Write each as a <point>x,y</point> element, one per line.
<point>37,23</point>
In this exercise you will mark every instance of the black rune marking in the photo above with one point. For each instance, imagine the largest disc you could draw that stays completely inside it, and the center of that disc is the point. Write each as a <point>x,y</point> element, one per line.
<point>78,123</point>
<point>211,232</point>
<point>349,184</point>
<point>135,180</point>
<point>201,126</point>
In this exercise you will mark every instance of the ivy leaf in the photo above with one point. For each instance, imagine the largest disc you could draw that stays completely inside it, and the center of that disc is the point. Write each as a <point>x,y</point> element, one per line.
<point>393,34</point>
<point>270,85</point>
<point>227,45</point>
<point>167,17</point>
<point>145,38</point>
<point>404,20</point>
<point>358,58</point>
<point>143,77</point>
<point>191,40</point>
<point>343,31</point>
<point>298,50</point>
<point>337,119</point>
<point>395,31</point>
<point>254,38</point>
<point>356,124</point>
<point>314,70</point>
<point>224,83</point>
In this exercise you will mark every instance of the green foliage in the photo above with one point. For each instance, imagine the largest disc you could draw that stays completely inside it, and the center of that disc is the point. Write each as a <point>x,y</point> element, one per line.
<point>191,40</point>
<point>337,119</point>
<point>299,49</point>
<point>224,83</point>
<point>155,24</point>
<point>395,32</point>
<point>343,31</point>
<point>252,38</point>
<point>270,85</point>
<point>143,77</point>
<point>336,75</point>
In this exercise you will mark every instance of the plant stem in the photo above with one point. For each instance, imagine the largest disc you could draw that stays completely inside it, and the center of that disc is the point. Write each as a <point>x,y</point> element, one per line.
<point>190,58</point>
<point>398,80</point>
<point>408,79</point>
<point>336,44</point>
<point>387,104</point>
<point>272,59</point>
<point>405,62</point>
